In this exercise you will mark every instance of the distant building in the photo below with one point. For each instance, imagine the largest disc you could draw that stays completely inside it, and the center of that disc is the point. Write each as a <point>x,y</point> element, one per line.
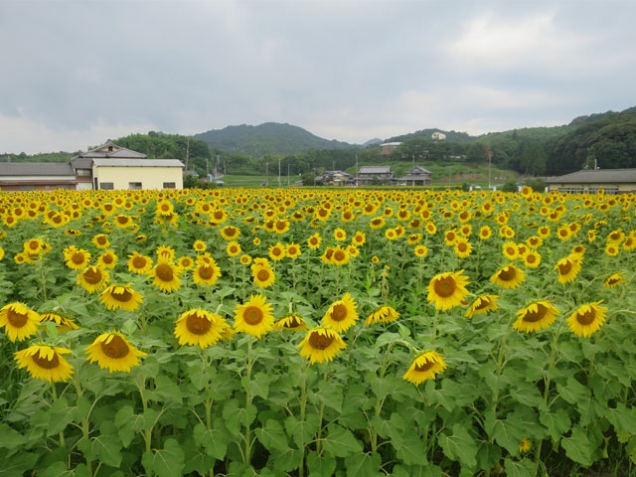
<point>368,175</point>
<point>23,176</point>
<point>417,176</point>
<point>389,147</point>
<point>335,178</point>
<point>612,181</point>
<point>438,136</point>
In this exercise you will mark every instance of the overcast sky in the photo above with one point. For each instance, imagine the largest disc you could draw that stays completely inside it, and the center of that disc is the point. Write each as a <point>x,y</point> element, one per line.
<point>75,73</point>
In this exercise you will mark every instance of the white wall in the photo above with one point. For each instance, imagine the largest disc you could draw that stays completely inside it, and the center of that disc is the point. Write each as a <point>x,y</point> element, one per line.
<point>150,177</point>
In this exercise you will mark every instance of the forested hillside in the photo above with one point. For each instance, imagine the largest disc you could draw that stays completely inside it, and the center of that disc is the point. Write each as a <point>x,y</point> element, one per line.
<point>267,138</point>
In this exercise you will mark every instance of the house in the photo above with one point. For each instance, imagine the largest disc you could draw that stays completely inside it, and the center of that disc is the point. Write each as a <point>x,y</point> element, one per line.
<point>335,178</point>
<point>389,147</point>
<point>22,176</point>
<point>438,136</point>
<point>368,175</point>
<point>612,181</point>
<point>416,176</point>
<point>137,174</point>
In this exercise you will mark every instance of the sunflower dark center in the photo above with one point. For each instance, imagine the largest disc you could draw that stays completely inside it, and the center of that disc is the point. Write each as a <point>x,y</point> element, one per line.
<point>44,363</point>
<point>565,268</point>
<point>18,320</point>
<point>339,312</point>
<point>421,368</point>
<point>197,325</point>
<point>125,296</point>
<point>206,272</point>
<point>93,276</point>
<point>107,259</point>
<point>444,287</point>
<point>115,348</point>
<point>122,219</point>
<point>78,258</point>
<point>483,303</point>
<point>263,275</point>
<point>139,262</point>
<point>530,258</point>
<point>586,318</point>
<point>535,316</point>
<point>165,272</point>
<point>292,322</point>
<point>102,240</point>
<point>34,245</point>
<point>507,274</point>
<point>319,341</point>
<point>462,247</point>
<point>276,251</point>
<point>339,256</point>
<point>253,315</point>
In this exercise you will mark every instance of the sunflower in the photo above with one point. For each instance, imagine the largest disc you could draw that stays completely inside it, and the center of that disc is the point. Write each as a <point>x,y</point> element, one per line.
<point>19,321</point>
<point>199,328</point>
<point>377,223</point>
<point>76,259</point>
<point>45,362</point>
<point>206,273</point>
<point>320,345</point>
<point>424,367</point>
<point>447,290</point>
<point>568,268</point>
<point>165,276</point>
<point>536,316</point>
<point>383,314</point>
<point>430,228</point>
<point>342,314</point>
<point>165,252</point>
<point>185,262</point>
<point>510,250</point>
<point>531,259</point>
<point>341,256</point>
<point>277,252</point>
<point>112,351</point>
<point>254,317</point>
<point>107,259</point>
<point>263,275</point>
<point>93,279</point>
<point>63,323</point>
<point>450,237</point>
<point>482,304</point>
<point>230,232</point>
<point>485,232</point>
<point>101,241</point>
<point>612,250</point>
<point>614,280</point>
<point>587,319</point>
<point>199,246</point>
<point>508,277</point>
<point>292,322</point>
<point>340,235</point>
<point>120,296</point>
<point>463,248</point>
<point>139,264</point>
<point>525,445</point>
<point>314,241</point>
<point>534,242</point>
<point>165,208</point>
<point>420,251</point>
<point>245,259</point>
<point>359,239</point>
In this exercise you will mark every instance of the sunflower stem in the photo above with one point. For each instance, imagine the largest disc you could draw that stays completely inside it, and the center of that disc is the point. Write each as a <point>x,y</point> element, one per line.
<point>54,396</point>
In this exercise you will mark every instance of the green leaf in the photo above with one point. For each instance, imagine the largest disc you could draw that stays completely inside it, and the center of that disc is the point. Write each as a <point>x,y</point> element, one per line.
<point>459,446</point>
<point>106,446</point>
<point>128,424</point>
<point>519,468</point>
<point>363,464</point>
<point>410,450</point>
<point>574,392</point>
<point>167,462</point>
<point>320,466</point>
<point>578,447</point>
<point>508,435</point>
<point>258,385</point>
<point>10,438</point>
<point>214,440</point>
<point>272,436</point>
<point>558,423</point>
<point>17,464</point>
<point>340,442</point>
<point>302,431</point>
<point>60,416</point>
<point>166,390</point>
<point>288,460</point>
<point>487,455</point>
<point>623,419</point>
<point>330,394</point>
<point>236,416</point>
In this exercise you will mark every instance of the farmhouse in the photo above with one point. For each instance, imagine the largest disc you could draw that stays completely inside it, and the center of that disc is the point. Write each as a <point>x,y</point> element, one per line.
<point>368,175</point>
<point>612,181</point>
<point>416,176</point>
<point>106,167</point>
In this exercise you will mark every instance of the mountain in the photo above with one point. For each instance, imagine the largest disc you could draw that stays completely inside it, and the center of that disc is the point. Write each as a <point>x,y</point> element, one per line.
<point>372,142</point>
<point>267,138</point>
<point>427,134</point>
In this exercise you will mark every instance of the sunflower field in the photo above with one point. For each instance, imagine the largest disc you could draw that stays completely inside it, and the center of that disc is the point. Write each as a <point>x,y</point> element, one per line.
<point>316,332</point>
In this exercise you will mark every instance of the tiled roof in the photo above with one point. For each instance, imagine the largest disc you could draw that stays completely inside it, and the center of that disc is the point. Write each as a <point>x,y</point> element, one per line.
<point>138,163</point>
<point>374,170</point>
<point>110,150</point>
<point>36,169</point>
<point>599,176</point>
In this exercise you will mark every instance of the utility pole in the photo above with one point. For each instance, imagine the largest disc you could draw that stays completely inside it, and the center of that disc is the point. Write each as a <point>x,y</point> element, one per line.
<point>266,174</point>
<point>187,158</point>
<point>288,174</point>
<point>279,172</point>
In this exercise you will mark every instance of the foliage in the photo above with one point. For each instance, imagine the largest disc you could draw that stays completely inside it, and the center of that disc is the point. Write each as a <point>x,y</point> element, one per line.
<point>525,402</point>
<point>267,138</point>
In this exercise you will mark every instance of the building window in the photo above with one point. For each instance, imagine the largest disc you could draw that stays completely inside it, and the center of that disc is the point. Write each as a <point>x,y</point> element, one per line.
<point>27,187</point>
<point>169,185</point>
<point>134,185</point>
<point>83,172</point>
<point>106,186</point>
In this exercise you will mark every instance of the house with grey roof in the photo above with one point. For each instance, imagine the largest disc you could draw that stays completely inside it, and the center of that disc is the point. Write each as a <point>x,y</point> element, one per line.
<point>23,176</point>
<point>612,181</point>
<point>368,175</point>
<point>416,176</point>
<point>106,167</point>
